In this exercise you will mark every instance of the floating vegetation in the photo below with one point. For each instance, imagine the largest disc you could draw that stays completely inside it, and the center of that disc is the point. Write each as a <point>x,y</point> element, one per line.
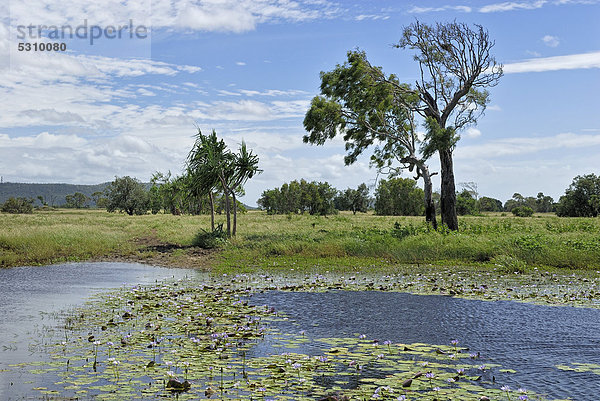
<point>194,339</point>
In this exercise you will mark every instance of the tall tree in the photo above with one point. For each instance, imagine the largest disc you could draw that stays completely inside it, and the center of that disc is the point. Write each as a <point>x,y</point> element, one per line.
<point>365,106</point>
<point>204,161</point>
<point>456,66</point>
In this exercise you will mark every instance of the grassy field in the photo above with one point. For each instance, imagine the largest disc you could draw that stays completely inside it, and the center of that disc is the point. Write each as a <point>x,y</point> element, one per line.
<point>302,242</point>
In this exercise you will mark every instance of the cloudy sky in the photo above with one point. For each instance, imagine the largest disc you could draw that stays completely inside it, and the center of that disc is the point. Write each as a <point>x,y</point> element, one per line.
<point>130,105</point>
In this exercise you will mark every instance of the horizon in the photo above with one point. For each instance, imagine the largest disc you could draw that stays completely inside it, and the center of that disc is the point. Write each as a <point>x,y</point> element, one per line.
<point>249,70</point>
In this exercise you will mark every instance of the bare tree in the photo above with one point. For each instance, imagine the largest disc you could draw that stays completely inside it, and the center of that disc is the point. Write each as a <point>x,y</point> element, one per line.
<point>456,67</point>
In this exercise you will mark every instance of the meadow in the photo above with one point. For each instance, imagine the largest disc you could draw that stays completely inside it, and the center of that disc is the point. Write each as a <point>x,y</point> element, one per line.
<point>301,242</point>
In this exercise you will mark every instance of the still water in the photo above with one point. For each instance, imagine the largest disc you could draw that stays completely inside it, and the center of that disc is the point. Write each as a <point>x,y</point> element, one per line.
<point>31,297</point>
<point>530,339</point>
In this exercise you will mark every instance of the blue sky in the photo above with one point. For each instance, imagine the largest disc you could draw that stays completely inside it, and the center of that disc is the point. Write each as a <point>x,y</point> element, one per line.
<point>249,69</point>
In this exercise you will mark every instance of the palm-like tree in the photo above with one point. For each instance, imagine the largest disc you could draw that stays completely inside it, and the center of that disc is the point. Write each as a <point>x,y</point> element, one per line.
<point>212,166</point>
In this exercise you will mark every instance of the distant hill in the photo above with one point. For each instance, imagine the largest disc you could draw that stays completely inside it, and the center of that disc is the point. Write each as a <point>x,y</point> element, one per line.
<point>54,194</point>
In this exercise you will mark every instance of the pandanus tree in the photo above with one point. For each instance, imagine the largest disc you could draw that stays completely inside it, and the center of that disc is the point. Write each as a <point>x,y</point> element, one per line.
<point>363,105</point>
<point>213,167</point>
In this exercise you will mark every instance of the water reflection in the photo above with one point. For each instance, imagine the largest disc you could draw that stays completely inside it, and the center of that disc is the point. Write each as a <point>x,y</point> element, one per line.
<point>31,296</point>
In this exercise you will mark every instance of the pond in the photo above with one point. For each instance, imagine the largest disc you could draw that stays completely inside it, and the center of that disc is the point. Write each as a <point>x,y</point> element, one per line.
<point>531,339</point>
<point>32,297</point>
<point>553,351</point>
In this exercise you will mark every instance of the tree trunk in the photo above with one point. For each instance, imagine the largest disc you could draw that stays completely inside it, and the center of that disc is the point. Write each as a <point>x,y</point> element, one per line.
<point>428,189</point>
<point>234,213</point>
<point>227,212</point>
<point>448,198</point>
<point>212,210</point>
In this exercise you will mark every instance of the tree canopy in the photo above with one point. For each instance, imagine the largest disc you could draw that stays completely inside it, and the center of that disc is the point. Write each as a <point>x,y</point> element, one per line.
<point>582,198</point>
<point>363,105</point>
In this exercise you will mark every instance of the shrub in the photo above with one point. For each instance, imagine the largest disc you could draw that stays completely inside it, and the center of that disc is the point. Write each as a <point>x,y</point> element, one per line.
<point>522,211</point>
<point>210,239</point>
<point>18,205</point>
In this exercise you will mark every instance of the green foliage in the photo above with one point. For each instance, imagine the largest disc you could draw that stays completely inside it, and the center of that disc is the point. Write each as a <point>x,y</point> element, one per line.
<point>356,200</point>
<point>315,198</point>
<point>582,198</point>
<point>76,200</point>
<point>211,166</point>
<point>486,204</point>
<point>399,197</point>
<point>128,195</point>
<point>17,205</point>
<point>466,203</point>
<point>210,239</point>
<point>438,138</point>
<point>522,211</point>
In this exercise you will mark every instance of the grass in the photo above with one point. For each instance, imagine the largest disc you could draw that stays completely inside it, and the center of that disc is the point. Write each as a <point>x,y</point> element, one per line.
<point>304,242</point>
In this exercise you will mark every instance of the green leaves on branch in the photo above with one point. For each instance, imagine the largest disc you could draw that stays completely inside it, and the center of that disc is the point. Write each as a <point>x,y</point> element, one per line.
<point>438,138</point>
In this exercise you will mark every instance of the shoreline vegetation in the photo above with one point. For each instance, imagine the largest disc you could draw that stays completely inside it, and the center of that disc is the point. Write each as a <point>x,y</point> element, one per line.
<point>342,242</point>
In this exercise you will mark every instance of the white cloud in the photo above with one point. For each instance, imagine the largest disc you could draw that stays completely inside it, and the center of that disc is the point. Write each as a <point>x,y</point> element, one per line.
<point>512,5</point>
<point>568,62</point>
<point>240,63</point>
<point>471,132</point>
<point>214,15</point>
<point>372,17</point>
<point>520,146</point>
<point>421,10</point>
<point>551,41</point>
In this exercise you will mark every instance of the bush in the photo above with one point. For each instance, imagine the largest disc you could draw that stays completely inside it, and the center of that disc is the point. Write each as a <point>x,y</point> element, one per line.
<point>18,205</point>
<point>210,239</point>
<point>522,211</point>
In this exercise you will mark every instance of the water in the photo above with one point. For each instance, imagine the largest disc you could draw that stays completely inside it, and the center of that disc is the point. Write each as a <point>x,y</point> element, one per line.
<point>530,339</point>
<point>30,298</point>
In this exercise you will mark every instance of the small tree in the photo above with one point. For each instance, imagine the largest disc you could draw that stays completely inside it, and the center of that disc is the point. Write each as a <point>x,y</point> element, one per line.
<point>356,200</point>
<point>522,211</point>
<point>466,203</point>
<point>127,194</point>
<point>76,200</point>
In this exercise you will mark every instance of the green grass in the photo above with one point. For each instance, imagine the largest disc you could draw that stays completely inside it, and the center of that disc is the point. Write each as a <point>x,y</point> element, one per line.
<point>304,242</point>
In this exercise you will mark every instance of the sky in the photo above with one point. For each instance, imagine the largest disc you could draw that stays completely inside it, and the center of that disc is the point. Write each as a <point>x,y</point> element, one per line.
<point>113,106</point>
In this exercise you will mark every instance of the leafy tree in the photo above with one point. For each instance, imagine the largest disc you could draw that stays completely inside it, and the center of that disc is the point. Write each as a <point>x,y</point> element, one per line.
<point>487,204</point>
<point>356,200</point>
<point>100,199</point>
<point>18,205</point>
<point>399,197</point>
<point>456,67</point>
<point>544,203</point>
<point>466,203</point>
<point>369,109</point>
<point>76,200</point>
<point>127,194</point>
<point>516,201</point>
<point>582,198</point>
